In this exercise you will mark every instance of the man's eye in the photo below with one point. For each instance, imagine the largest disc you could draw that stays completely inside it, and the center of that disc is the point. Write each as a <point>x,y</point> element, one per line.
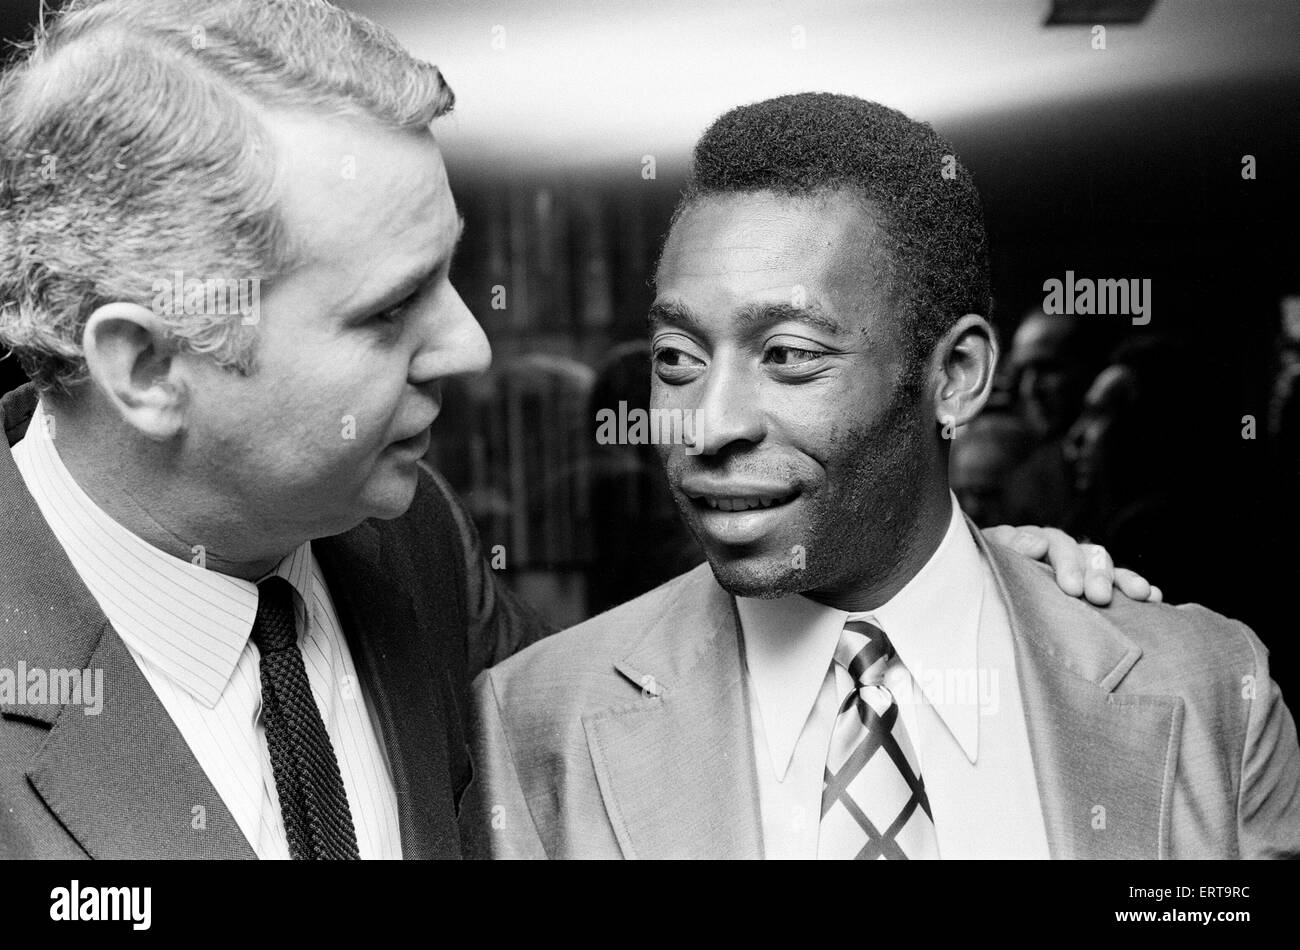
<point>791,355</point>
<point>392,314</point>
<point>670,356</point>
<point>675,366</point>
<point>395,314</point>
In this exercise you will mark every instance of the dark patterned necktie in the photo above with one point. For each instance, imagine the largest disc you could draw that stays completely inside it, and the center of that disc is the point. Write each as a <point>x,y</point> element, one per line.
<point>873,799</point>
<point>313,801</point>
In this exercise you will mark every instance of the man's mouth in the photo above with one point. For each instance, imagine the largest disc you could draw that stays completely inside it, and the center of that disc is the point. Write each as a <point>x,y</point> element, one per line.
<point>420,437</point>
<point>416,444</point>
<point>739,502</point>
<point>735,514</point>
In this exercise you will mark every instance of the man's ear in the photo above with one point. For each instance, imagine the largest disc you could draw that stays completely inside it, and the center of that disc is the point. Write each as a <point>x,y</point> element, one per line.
<point>964,363</point>
<point>130,357</point>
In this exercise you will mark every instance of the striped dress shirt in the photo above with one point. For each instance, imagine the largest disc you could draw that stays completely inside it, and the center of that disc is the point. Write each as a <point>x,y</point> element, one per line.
<point>189,630</point>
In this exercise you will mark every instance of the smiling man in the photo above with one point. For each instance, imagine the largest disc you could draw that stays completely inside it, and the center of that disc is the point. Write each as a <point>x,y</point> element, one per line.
<point>217,507</point>
<point>857,672</point>
<point>227,515</point>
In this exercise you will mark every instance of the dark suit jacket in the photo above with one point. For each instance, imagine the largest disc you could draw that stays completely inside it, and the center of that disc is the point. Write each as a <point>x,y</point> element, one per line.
<point>422,613</point>
<point>1155,731</point>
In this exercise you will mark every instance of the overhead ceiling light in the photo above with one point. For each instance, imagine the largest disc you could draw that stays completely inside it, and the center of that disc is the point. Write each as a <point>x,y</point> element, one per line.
<point>1092,12</point>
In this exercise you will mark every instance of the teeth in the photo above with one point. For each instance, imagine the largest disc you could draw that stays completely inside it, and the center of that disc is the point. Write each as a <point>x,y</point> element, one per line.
<point>739,504</point>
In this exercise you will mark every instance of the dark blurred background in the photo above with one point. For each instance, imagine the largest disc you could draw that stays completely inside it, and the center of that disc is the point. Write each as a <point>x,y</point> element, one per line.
<point>1176,444</point>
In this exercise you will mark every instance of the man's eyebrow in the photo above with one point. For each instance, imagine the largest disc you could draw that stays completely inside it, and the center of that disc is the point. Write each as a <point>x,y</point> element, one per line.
<point>811,314</point>
<point>451,251</point>
<point>672,313</point>
<point>455,245</point>
<point>460,232</point>
<point>413,284</point>
<point>749,317</point>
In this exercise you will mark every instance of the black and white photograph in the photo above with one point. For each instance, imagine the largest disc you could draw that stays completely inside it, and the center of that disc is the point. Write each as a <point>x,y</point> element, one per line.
<point>743,429</point>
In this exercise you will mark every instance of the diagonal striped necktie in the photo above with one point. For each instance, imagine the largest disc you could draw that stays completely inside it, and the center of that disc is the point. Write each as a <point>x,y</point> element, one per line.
<point>874,804</point>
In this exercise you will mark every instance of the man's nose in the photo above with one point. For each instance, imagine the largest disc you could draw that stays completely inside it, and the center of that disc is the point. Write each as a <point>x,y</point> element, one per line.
<point>728,411</point>
<point>1072,447</point>
<point>454,344</point>
<point>1029,384</point>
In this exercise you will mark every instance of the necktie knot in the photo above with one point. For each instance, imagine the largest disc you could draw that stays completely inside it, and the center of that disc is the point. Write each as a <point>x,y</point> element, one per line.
<point>274,629</point>
<point>865,652</point>
<point>874,803</point>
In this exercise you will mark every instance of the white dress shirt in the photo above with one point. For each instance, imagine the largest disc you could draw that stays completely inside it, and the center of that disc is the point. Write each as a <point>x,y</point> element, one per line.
<point>189,630</point>
<point>954,678</point>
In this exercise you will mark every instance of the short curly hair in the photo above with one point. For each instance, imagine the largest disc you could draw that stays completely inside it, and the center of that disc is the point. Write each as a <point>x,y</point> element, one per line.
<point>924,200</point>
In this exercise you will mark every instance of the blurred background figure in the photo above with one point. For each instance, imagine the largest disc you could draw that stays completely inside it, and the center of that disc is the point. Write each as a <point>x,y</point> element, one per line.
<point>518,442</point>
<point>984,454</point>
<point>1053,359</point>
<point>1151,489</point>
<point>639,540</point>
<point>1284,402</point>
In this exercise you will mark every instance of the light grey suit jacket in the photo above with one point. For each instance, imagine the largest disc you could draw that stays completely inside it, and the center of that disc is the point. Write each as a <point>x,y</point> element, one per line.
<point>629,735</point>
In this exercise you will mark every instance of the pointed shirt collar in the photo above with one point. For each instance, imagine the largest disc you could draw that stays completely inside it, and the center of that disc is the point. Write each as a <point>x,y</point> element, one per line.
<point>933,623</point>
<point>189,622</point>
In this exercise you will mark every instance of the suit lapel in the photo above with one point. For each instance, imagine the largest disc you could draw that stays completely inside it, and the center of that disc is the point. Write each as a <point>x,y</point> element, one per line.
<point>1104,761</point>
<point>399,679</point>
<point>123,782</point>
<point>675,764</point>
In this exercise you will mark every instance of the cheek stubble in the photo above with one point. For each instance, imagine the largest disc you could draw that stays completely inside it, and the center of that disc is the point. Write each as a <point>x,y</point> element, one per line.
<point>853,528</point>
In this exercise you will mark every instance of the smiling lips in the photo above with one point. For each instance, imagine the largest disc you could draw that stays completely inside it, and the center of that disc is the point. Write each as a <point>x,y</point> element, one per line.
<point>737,498</point>
<point>734,514</point>
<point>740,503</point>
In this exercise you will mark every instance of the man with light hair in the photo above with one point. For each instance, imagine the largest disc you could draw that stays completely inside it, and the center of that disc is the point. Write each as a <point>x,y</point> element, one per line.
<point>228,514</point>
<point>224,507</point>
